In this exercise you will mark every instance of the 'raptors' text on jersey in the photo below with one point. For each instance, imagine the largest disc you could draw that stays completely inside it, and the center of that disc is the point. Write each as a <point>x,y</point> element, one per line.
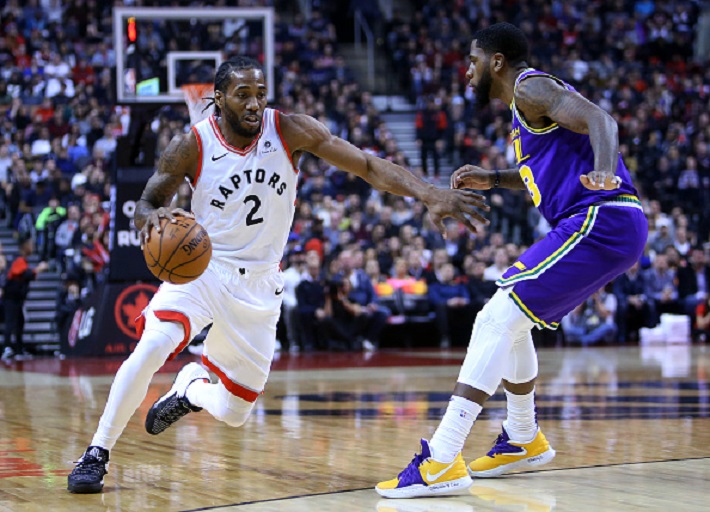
<point>245,198</point>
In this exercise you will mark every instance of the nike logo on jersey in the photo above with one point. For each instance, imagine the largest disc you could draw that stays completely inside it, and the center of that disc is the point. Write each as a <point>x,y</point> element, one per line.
<point>279,292</point>
<point>436,476</point>
<point>214,159</point>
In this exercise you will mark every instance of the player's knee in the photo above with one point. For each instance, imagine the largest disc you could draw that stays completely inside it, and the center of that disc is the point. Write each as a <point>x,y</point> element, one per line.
<point>503,315</point>
<point>524,372</point>
<point>522,366</point>
<point>236,413</point>
<point>154,348</point>
<point>159,339</point>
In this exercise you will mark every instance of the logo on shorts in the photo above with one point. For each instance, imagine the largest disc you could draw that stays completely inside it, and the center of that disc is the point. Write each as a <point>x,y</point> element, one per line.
<point>279,291</point>
<point>129,305</point>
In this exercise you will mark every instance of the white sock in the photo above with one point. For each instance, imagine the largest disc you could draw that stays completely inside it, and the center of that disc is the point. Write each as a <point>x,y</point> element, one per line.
<point>521,424</point>
<point>203,394</point>
<point>451,434</point>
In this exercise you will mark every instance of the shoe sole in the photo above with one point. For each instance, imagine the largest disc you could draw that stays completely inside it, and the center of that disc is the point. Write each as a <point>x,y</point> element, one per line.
<point>86,488</point>
<point>422,491</point>
<point>536,460</point>
<point>150,417</point>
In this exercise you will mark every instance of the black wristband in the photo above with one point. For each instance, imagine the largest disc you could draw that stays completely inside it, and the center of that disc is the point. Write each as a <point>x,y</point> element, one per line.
<point>496,183</point>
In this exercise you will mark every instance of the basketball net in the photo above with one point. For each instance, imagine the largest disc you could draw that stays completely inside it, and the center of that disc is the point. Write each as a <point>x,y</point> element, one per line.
<point>197,97</point>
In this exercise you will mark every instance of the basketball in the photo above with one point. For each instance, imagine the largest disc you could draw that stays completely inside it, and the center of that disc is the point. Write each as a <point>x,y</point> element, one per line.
<point>181,251</point>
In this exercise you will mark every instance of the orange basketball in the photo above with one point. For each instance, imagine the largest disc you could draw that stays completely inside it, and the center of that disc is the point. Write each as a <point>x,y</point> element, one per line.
<point>181,251</point>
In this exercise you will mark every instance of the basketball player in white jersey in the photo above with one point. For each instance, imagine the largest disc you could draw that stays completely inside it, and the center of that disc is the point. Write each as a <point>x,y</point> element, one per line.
<point>242,165</point>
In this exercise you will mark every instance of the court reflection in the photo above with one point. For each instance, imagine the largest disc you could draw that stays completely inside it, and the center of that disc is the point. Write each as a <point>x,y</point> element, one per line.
<point>450,504</point>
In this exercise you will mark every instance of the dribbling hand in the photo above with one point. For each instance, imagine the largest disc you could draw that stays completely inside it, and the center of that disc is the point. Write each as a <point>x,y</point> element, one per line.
<point>600,180</point>
<point>158,215</point>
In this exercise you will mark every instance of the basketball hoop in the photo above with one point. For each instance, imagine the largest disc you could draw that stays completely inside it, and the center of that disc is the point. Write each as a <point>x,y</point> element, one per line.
<point>197,98</point>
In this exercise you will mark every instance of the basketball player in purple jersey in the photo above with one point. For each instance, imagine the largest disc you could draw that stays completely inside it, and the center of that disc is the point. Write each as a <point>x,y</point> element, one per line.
<point>568,160</point>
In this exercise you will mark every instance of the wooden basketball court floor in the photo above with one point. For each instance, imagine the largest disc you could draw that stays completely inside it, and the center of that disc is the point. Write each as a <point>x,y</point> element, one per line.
<point>631,427</point>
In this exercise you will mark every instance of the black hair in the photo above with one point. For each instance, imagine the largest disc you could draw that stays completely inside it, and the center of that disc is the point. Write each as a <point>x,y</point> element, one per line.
<point>506,39</point>
<point>223,77</point>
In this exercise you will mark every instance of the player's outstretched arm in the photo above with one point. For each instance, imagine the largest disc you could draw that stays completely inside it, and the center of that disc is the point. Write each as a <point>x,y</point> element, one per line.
<point>540,97</point>
<point>178,161</point>
<point>304,133</point>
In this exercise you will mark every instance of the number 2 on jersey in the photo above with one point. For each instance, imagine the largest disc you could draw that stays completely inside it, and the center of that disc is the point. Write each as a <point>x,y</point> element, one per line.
<point>251,216</point>
<point>529,180</point>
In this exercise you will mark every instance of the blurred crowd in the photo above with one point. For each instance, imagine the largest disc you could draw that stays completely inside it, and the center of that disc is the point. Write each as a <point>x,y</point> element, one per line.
<point>363,267</point>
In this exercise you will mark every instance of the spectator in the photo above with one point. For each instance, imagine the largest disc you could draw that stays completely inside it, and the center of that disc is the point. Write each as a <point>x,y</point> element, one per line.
<point>693,281</point>
<point>662,286</point>
<point>68,302</point>
<point>67,236</point>
<point>47,223</point>
<point>343,319</point>
<point>42,145</point>
<point>438,259</point>
<point>430,123</point>
<point>662,238</point>
<point>106,145</point>
<point>479,289</point>
<point>635,306</point>
<point>682,242</point>
<point>372,317</point>
<point>592,321</point>
<point>500,265</point>
<point>17,286</point>
<point>452,303</point>
<point>292,277</point>
<point>310,294</point>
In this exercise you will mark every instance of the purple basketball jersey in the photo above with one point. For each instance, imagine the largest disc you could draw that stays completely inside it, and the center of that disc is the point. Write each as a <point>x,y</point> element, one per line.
<point>551,160</point>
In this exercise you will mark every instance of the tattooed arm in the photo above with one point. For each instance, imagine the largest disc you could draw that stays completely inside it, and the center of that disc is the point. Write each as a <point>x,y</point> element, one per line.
<point>541,98</point>
<point>304,133</point>
<point>178,161</point>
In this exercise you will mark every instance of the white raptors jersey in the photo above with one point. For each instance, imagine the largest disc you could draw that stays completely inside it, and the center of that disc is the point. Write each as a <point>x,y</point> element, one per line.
<point>245,198</point>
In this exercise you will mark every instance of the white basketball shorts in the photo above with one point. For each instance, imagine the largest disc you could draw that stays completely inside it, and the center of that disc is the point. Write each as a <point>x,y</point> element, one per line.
<point>243,307</point>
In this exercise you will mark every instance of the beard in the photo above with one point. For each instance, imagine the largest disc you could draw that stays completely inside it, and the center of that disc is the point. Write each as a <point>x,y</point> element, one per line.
<point>236,125</point>
<point>483,90</point>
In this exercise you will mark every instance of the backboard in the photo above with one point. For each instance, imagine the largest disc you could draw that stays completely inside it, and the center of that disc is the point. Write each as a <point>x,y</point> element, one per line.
<point>158,50</point>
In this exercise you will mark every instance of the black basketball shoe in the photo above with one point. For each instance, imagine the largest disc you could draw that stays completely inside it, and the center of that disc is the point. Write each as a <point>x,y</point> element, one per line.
<point>88,475</point>
<point>174,404</point>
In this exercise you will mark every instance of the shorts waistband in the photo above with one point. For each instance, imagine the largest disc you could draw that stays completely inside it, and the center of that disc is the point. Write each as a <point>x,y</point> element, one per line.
<point>626,200</point>
<point>246,272</point>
